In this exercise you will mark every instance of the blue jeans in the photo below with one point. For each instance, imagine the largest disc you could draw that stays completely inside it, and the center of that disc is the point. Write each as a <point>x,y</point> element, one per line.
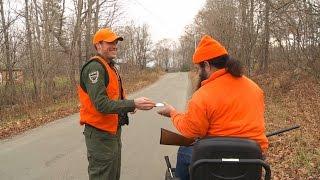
<point>183,162</point>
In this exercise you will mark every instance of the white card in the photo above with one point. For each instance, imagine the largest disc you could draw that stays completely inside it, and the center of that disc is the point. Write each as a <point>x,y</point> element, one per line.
<point>159,105</point>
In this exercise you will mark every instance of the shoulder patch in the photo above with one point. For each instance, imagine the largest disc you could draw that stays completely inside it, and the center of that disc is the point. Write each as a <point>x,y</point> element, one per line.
<point>93,76</point>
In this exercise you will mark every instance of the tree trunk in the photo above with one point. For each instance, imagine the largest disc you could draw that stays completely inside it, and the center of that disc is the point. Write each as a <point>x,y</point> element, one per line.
<point>30,52</point>
<point>265,59</point>
<point>88,42</point>
<point>251,35</point>
<point>39,65</point>
<point>76,42</point>
<point>244,32</point>
<point>96,16</point>
<point>9,67</point>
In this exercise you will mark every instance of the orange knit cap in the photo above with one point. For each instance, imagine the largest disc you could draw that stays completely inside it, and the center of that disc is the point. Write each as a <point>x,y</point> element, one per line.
<point>208,48</point>
<point>105,34</point>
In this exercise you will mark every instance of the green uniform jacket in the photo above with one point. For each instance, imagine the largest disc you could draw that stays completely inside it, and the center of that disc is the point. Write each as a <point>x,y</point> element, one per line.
<point>96,89</point>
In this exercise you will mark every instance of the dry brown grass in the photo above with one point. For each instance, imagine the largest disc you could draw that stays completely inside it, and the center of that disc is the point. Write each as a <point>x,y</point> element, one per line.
<point>133,81</point>
<point>292,97</point>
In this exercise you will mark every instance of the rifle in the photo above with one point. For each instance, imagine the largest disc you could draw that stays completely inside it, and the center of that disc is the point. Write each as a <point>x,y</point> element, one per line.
<point>282,130</point>
<point>170,138</point>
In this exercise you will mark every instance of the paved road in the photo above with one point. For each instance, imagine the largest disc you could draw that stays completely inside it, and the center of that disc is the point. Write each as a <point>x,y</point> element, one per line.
<point>57,150</point>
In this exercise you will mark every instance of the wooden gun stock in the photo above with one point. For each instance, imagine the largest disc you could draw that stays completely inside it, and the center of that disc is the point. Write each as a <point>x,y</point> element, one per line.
<point>171,138</point>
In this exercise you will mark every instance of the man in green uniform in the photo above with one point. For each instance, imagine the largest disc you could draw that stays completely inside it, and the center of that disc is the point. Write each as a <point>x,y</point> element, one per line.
<point>104,108</point>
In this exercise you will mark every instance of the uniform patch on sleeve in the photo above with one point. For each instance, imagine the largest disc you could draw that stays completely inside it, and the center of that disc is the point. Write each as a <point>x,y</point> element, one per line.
<point>93,76</point>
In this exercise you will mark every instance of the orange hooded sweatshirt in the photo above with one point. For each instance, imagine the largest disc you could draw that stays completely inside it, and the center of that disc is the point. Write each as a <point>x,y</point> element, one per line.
<point>224,106</point>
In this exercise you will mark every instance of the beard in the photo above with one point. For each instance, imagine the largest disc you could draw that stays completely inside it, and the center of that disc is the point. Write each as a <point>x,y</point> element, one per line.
<point>202,76</point>
<point>111,53</point>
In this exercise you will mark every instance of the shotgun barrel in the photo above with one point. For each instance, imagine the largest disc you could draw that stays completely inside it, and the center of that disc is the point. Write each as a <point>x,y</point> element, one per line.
<point>282,130</point>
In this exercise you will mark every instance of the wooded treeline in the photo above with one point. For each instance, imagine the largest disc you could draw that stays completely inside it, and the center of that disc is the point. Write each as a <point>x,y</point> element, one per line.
<point>47,41</point>
<point>261,32</point>
<point>44,43</point>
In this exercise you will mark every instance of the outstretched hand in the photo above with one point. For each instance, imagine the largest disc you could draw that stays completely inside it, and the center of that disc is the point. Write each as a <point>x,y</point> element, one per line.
<point>133,112</point>
<point>144,103</point>
<point>166,110</point>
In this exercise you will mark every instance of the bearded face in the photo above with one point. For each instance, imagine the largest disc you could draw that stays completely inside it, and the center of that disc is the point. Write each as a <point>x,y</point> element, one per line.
<point>203,75</point>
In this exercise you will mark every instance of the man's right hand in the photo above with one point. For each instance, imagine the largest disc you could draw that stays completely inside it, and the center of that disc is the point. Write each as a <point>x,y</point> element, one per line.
<point>144,103</point>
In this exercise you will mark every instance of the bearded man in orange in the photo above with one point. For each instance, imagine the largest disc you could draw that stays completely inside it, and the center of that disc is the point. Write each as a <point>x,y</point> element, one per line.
<point>226,103</point>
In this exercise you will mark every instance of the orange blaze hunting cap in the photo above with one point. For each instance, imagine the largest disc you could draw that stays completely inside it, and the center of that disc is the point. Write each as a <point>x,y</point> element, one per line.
<point>208,48</point>
<point>105,34</point>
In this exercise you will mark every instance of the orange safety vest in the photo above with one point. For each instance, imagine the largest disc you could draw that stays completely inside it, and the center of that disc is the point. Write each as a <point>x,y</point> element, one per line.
<point>89,114</point>
<point>224,106</point>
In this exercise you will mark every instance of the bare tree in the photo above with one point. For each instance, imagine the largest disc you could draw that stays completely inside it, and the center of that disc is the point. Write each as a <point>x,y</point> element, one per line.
<point>136,46</point>
<point>143,43</point>
<point>244,27</point>
<point>9,67</point>
<point>31,57</point>
<point>88,32</point>
<point>96,16</point>
<point>164,53</point>
<point>48,46</point>
<point>246,40</point>
<point>265,59</point>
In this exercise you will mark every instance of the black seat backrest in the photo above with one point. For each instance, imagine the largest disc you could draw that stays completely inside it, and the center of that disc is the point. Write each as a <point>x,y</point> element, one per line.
<point>229,149</point>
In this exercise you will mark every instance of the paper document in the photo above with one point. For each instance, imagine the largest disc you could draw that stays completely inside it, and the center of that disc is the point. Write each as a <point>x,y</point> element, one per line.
<point>159,105</point>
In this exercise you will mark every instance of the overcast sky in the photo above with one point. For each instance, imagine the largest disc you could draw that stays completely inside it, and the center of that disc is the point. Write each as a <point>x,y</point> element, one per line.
<point>167,18</point>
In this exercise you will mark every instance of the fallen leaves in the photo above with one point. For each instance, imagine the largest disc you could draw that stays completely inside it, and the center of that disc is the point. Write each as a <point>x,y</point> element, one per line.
<point>290,101</point>
<point>12,128</point>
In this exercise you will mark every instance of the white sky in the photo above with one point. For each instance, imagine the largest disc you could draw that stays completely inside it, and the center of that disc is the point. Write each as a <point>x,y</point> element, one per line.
<point>166,18</point>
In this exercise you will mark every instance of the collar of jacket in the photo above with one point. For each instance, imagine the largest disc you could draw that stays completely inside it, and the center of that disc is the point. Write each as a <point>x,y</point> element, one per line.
<point>112,62</point>
<point>214,76</point>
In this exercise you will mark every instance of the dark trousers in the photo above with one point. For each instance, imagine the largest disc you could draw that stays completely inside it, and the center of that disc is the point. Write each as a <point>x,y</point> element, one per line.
<point>183,162</point>
<point>104,153</point>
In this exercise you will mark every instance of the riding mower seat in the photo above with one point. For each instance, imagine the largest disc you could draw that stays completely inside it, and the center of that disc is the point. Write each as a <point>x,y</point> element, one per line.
<point>227,158</point>
<point>224,158</point>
